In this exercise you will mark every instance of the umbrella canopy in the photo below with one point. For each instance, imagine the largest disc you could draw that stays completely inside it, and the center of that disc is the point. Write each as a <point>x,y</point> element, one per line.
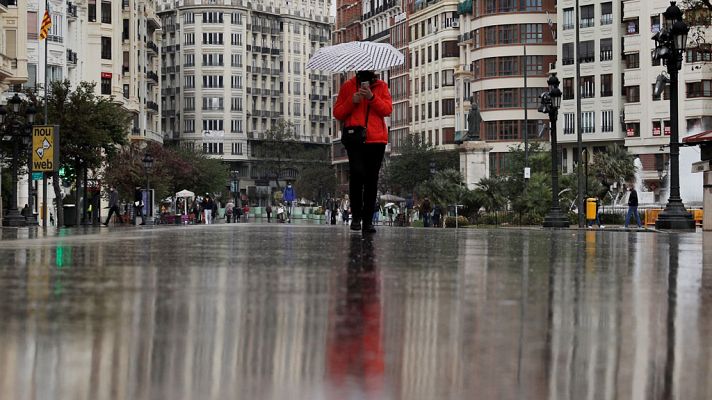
<point>356,56</point>
<point>391,197</point>
<point>185,193</point>
<point>389,205</point>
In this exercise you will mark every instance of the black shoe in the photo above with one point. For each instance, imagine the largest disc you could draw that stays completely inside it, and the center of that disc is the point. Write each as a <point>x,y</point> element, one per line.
<point>105,224</point>
<point>355,225</point>
<point>369,228</point>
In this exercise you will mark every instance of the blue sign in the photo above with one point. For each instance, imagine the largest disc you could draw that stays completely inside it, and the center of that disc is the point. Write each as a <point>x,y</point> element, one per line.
<point>37,176</point>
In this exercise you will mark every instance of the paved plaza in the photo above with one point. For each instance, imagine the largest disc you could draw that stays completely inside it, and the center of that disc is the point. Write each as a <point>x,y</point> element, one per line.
<point>258,311</point>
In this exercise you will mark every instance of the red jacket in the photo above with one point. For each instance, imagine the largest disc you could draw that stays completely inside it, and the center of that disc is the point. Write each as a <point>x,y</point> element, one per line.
<point>351,114</point>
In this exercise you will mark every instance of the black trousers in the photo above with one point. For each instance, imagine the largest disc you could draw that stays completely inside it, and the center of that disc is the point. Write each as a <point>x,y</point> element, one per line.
<point>364,164</point>
<point>112,210</point>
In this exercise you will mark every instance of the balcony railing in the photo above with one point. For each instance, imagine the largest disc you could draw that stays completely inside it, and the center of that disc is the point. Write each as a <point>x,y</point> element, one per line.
<point>71,11</point>
<point>152,46</point>
<point>152,106</point>
<point>152,76</point>
<point>71,57</point>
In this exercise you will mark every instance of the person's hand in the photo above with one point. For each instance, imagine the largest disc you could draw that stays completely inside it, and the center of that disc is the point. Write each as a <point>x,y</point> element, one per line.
<point>357,97</point>
<point>366,93</point>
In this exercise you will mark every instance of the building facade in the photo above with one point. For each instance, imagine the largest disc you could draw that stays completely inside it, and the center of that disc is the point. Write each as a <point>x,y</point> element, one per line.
<point>506,51</point>
<point>235,68</point>
<point>13,44</point>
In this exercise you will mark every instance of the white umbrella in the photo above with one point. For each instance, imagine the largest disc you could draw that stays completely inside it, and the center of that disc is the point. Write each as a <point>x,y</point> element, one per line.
<point>356,56</point>
<point>185,194</point>
<point>389,205</point>
<point>391,197</point>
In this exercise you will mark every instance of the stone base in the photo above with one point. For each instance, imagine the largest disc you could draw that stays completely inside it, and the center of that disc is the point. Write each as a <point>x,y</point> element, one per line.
<point>675,218</point>
<point>474,162</point>
<point>556,219</point>
<point>14,219</point>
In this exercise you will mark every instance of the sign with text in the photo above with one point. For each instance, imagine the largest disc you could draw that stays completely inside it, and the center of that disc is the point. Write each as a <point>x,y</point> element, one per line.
<point>45,148</point>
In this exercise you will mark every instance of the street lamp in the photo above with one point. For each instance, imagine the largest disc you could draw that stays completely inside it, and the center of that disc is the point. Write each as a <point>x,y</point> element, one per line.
<point>148,166</point>
<point>550,103</point>
<point>17,128</point>
<point>670,45</point>
<point>235,175</point>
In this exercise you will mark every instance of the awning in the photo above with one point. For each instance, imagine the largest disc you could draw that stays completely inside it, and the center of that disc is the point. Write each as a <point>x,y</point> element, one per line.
<point>699,138</point>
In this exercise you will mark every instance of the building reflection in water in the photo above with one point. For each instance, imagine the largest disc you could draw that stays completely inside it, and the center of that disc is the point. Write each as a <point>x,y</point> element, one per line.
<point>419,315</point>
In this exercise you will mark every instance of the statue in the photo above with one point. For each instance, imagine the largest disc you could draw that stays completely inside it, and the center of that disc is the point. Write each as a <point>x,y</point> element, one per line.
<point>473,121</point>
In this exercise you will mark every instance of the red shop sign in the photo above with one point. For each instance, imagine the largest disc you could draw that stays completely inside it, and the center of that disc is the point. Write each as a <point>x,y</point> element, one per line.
<point>106,75</point>
<point>668,130</point>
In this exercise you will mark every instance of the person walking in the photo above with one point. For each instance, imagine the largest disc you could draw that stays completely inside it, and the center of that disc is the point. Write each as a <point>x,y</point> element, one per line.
<point>269,213</point>
<point>334,211</point>
<point>632,207</point>
<point>598,216</point>
<point>426,208</point>
<point>207,210</point>
<point>362,105</point>
<point>229,208</point>
<point>138,206</point>
<point>290,197</point>
<point>246,211</point>
<point>113,204</point>
<point>327,210</point>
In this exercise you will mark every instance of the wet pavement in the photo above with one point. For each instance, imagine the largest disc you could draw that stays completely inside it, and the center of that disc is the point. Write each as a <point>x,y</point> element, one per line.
<point>257,311</point>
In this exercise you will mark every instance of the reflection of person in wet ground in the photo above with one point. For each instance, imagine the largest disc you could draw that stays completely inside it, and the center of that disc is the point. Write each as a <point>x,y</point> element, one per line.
<point>355,351</point>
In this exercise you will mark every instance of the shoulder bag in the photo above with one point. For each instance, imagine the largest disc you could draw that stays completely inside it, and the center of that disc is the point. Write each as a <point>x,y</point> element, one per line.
<point>355,135</point>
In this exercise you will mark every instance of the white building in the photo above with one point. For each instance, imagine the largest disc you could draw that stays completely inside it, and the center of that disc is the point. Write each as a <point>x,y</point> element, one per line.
<point>234,68</point>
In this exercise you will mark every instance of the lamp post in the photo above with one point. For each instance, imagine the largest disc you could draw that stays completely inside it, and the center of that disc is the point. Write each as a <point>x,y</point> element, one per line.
<point>550,103</point>
<point>670,43</point>
<point>235,185</point>
<point>148,166</point>
<point>17,129</point>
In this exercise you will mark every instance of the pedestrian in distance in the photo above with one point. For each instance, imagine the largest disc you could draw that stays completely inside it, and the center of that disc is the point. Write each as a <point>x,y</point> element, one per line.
<point>246,211</point>
<point>215,207</point>
<point>334,211</point>
<point>207,210</point>
<point>268,209</point>
<point>229,210</point>
<point>290,197</point>
<point>426,208</point>
<point>327,210</point>
<point>598,216</point>
<point>362,105</point>
<point>25,211</point>
<point>632,207</point>
<point>113,204</point>
<point>138,206</point>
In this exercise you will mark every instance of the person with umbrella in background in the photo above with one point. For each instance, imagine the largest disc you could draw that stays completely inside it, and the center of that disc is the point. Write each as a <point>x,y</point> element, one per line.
<point>363,102</point>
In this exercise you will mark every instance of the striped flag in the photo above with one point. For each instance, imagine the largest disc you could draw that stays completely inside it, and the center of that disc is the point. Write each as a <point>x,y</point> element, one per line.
<point>46,24</point>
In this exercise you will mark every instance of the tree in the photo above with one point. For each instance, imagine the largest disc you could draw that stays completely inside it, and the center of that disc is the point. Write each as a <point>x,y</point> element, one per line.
<point>444,189</point>
<point>316,181</point>
<point>91,127</point>
<point>277,150</point>
<point>490,192</point>
<point>613,166</point>
<point>412,166</point>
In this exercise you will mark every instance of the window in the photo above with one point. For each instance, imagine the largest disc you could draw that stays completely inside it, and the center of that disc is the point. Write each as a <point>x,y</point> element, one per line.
<point>508,130</point>
<point>569,123</point>
<point>437,46</point>
<point>491,131</point>
<point>189,103</point>
<point>416,59</point>
<point>655,23</point>
<point>105,85</point>
<point>430,54</point>
<point>587,87</point>
<point>212,38</point>
<point>450,49</point>
<point>237,147</point>
<point>507,99</point>
<point>607,85</point>
<point>490,36</point>
<point>568,18</point>
<point>437,80</point>
<point>126,91</point>
<point>189,81</point>
<point>606,13</point>
<point>508,66</point>
<point>586,50</point>
<point>213,17</point>
<point>236,104</point>
<point>699,89</point>
<point>588,122</point>
<point>212,125</point>
<point>657,128</point>
<point>507,34</point>
<point>417,109</point>
<point>535,65</point>
<point>212,103</point>
<point>531,97</point>
<point>491,66</point>
<point>236,126</point>
<point>491,98</point>
<point>212,59</point>
<point>236,39</point>
<point>189,39</point>
<point>568,54</point>
<point>531,5</point>
<point>437,108</point>
<point>105,12</point>
<point>533,33</point>
<point>448,106</point>
<point>632,60</point>
<point>632,129</point>
<point>92,11</point>
<point>236,60</point>
<point>236,18</point>
<point>212,81</point>
<point>190,125</point>
<point>105,48</point>
<point>607,121</point>
<point>430,110</point>
<point>632,94</point>
<point>606,49</point>
<point>189,18</point>
<point>665,95</point>
<point>448,77</point>
<point>632,27</point>
<point>189,60</point>
<point>587,16</point>
<point>568,89</point>
<point>698,54</point>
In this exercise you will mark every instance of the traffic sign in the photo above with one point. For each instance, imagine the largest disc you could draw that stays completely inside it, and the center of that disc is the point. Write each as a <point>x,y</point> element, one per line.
<point>45,148</point>
<point>37,176</point>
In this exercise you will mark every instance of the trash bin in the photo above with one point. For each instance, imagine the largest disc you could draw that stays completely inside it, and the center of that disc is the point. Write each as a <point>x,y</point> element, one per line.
<point>591,209</point>
<point>70,215</point>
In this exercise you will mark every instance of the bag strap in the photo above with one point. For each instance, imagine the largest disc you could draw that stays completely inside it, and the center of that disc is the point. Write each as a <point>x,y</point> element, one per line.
<point>368,111</point>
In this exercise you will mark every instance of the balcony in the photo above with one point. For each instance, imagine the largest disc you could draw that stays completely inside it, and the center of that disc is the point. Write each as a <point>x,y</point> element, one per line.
<point>152,76</point>
<point>71,11</point>
<point>378,36</point>
<point>125,69</point>
<point>152,106</point>
<point>152,46</point>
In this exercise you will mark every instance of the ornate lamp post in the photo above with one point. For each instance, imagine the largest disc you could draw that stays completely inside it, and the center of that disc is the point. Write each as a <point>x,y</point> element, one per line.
<point>550,103</point>
<point>17,128</point>
<point>148,166</point>
<point>235,175</point>
<point>670,45</point>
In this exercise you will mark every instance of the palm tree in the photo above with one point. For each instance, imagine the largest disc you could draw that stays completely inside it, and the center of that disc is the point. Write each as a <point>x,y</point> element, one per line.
<point>614,166</point>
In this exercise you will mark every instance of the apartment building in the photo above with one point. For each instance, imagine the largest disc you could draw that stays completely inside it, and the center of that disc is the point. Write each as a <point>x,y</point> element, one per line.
<point>400,80</point>
<point>234,68</point>
<point>434,55</point>
<point>507,48</point>
<point>13,44</point>
<point>602,62</point>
